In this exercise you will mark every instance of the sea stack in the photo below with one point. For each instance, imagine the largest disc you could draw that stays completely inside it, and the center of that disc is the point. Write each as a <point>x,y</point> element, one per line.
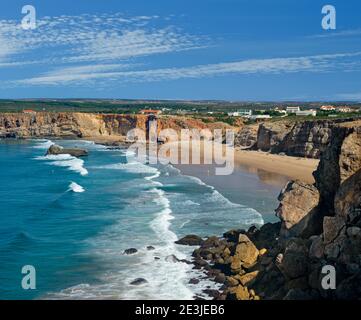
<point>75,152</point>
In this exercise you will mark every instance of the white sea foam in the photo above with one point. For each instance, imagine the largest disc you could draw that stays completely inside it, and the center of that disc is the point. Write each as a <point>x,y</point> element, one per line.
<point>156,175</point>
<point>191,203</point>
<point>184,223</point>
<point>66,160</point>
<point>76,187</point>
<point>131,167</point>
<point>166,279</point>
<point>43,144</point>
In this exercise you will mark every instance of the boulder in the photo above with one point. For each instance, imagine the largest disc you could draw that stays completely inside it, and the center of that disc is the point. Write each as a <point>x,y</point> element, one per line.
<point>75,152</point>
<point>317,248</point>
<point>138,281</point>
<point>332,251</point>
<point>190,240</point>
<point>231,281</point>
<point>130,251</point>
<point>294,263</point>
<point>246,252</point>
<point>332,227</point>
<point>220,278</point>
<point>353,232</point>
<point>239,293</point>
<point>172,258</point>
<point>298,210</point>
<point>193,281</point>
<point>247,278</point>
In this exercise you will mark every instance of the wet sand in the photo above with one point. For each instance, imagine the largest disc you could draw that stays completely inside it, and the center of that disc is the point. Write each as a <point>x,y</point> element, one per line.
<point>292,167</point>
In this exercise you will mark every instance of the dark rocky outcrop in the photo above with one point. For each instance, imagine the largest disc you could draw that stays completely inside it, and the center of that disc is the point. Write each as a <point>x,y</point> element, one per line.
<point>130,251</point>
<point>138,282</point>
<point>75,152</point>
<point>298,210</point>
<point>320,226</point>
<point>190,240</point>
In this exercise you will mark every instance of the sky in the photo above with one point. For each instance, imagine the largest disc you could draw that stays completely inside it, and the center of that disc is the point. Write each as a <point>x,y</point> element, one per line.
<point>235,50</point>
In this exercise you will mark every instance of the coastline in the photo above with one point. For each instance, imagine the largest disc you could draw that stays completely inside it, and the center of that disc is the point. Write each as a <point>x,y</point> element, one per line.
<point>241,166</point>
<point>293,167</point>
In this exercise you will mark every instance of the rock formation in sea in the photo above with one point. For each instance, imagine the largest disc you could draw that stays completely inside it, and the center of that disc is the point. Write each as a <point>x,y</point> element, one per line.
<point>75,152</point>
<point>320,226</point>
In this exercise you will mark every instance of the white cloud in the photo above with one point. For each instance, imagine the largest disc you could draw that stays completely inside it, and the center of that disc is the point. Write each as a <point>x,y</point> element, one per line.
<point>318,63</point>
<point>86,38</point>
<point>335,34</point>
<point>355,96</point>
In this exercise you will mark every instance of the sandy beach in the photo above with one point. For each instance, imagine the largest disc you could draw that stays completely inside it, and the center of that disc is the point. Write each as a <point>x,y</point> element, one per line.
<point>292,167</point>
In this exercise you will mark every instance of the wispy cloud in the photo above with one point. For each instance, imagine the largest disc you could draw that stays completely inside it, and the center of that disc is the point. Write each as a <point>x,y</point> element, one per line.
<point>87,49</point>
<point>86,38</point>
<point>317,63</point>
<point>337,34</point>
<point>355,96</point>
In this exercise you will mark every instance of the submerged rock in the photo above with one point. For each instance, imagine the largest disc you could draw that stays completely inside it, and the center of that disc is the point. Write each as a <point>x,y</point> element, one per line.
<point>75,152</point>
<point>190,240</point>
<point>193,281</point>
<point>130,251</point>
<point>138,281</point>
<point>172,258</point>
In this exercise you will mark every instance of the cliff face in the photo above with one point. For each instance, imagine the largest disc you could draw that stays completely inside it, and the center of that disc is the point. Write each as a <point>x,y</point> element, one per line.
<point>247,136</point>
<point>46,124</point>
<point>299,139</point>
<point>320,227</point>
<point>19,125</point>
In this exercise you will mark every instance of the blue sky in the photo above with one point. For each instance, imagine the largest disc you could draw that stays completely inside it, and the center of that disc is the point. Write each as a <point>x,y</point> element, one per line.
<point>181,49</point>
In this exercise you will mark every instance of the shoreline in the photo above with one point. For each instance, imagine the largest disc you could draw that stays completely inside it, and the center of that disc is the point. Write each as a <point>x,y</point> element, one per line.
<point>295,168</point>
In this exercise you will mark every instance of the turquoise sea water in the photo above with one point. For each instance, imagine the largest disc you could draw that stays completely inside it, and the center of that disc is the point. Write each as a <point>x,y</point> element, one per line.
<point>72,219</point>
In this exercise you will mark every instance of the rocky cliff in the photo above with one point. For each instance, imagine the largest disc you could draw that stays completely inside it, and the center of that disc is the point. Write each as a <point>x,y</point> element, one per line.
<point>48,124</point>
<point>319,230</point>
<point>294,138</point>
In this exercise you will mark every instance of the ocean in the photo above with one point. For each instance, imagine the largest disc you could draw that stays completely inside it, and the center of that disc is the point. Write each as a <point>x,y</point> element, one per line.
<point>73,218</point>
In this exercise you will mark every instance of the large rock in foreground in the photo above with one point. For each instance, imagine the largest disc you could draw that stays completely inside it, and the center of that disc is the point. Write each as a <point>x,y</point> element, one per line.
<point>75,152</point>
<point>298,210</point>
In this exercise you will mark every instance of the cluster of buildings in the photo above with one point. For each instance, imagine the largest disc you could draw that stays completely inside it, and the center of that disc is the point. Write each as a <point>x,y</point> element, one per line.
<point>292,110</point>
<point>298,112</point>
<point>249,115</point>
<point>337,109</point>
